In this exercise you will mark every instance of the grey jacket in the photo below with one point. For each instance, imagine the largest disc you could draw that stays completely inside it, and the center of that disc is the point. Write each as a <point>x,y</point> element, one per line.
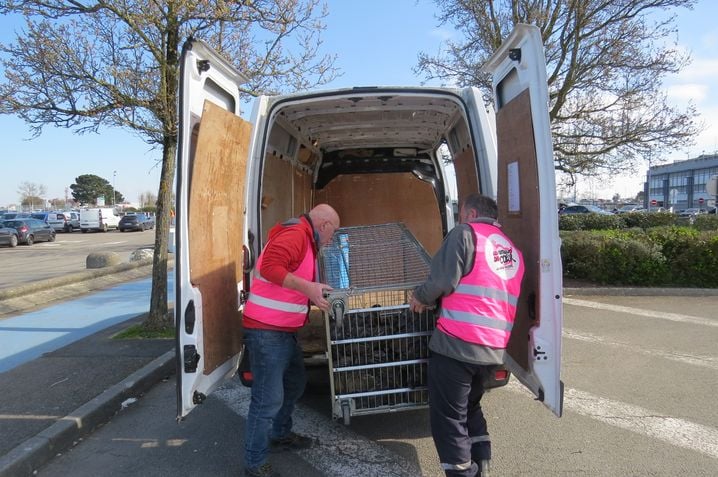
<point>454,259</point>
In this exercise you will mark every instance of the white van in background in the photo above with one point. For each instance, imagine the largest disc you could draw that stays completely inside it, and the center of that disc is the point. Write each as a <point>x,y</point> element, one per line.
<point>99,219</point>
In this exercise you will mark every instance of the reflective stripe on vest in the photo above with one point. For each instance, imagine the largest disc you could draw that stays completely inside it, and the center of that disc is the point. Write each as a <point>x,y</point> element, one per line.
<point>275,305</point>
<point>482,308</point>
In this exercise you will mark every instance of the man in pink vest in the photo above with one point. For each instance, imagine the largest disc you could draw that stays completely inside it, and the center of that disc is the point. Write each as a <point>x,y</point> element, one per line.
<point>476,276</point>
<point>282,288</point>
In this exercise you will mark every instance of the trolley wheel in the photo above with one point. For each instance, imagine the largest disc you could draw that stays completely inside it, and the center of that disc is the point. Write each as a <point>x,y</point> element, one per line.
<point>346,413</point>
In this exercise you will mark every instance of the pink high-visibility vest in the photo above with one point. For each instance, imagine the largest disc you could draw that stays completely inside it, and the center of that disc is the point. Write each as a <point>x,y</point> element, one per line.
<point>278,306</point>
<point>482,308</point>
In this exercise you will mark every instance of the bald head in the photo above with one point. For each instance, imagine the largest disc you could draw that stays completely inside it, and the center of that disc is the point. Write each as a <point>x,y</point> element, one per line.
<point>326,222</point>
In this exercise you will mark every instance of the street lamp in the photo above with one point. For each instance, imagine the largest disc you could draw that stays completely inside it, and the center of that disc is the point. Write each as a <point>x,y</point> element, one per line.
<point>114,202</point>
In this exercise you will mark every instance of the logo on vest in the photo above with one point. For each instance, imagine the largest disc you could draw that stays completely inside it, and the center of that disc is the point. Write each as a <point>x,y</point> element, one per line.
<point>500,256</point>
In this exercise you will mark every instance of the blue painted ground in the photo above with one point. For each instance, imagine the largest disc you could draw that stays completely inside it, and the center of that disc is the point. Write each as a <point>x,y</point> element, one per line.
<point>27,336</point>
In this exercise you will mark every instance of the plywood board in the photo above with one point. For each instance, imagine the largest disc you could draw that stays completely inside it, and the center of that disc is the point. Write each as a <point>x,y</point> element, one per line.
<point>370,199</point>
<point>517,164</point>
<point>216,204</point>
<point>466,174</point>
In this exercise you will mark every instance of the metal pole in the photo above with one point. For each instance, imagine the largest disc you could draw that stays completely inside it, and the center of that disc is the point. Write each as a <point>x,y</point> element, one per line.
<point>114,201</point>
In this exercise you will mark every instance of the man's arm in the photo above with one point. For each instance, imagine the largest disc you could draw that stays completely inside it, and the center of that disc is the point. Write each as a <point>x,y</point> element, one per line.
<point>453,260</point>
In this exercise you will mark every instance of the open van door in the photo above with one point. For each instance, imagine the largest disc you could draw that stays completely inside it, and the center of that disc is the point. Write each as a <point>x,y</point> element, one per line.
<point>210,223</point>
<point>526,195</point>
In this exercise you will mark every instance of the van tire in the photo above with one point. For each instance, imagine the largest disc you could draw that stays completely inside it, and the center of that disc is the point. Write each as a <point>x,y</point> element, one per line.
<point>84,231</point>
<point>68,229</point>
<point>104,227</point>
<point>13,240</point>
<point>30,240</point>
<point>52,237</point>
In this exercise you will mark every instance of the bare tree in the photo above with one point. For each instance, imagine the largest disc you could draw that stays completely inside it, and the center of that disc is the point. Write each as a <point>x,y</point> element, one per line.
<point>31,194</point>
<point>605,59</point>
<point>84,64</point>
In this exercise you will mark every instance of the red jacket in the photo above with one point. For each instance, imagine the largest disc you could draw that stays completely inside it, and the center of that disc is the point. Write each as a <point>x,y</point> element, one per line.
<point>285,250</point>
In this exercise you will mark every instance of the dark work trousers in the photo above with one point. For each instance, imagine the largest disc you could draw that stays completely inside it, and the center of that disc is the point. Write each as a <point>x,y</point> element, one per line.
<point>458,425</point>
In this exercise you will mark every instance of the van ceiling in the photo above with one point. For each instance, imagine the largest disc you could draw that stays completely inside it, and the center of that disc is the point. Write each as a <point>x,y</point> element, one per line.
<point>362,120</point>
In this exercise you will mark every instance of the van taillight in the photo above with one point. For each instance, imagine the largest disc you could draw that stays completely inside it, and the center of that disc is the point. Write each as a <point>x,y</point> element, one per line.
<point>500,374</point>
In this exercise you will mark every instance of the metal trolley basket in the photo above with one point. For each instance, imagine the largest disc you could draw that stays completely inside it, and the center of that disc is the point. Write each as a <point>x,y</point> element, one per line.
<point>378,349</point>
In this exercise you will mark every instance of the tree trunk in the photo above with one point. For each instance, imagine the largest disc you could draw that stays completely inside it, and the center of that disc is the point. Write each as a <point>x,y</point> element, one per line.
<point>158,317</point>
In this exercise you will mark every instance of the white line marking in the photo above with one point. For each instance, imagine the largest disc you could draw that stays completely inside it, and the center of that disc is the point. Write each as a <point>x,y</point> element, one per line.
<point>114,243</point>
<point>696,360</point>
<point>340,451</point>
<point>674,431</point>
<point>696,320</point>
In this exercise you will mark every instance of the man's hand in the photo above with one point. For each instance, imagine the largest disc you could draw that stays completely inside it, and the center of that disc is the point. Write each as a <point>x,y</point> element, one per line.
<point>416,306</point>
<point>315,293</point>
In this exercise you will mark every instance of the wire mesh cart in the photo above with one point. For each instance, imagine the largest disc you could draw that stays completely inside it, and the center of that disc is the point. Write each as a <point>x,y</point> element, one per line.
<point>378,349</point>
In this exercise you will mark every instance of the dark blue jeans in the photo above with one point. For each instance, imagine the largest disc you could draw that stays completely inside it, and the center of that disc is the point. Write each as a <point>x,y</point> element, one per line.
<point>277,366</point>
<point>458,425</point>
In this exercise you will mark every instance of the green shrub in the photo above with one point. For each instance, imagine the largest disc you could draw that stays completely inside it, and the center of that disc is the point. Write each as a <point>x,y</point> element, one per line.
<point>695,261</point>
<point>613,258</point>
<point>589,222</point>
<point>647,220</point>
<point>706,222</point>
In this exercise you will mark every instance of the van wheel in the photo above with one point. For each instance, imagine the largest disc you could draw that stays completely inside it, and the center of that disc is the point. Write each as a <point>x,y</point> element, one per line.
<point>52,237</point>
<point>104,227</point>
<point>69,229</point>
<point>30,240</point>
<point>84,231</point>
<point>13,240</point>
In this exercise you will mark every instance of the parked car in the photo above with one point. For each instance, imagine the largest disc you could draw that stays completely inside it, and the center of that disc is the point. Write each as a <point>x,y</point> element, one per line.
<point>630,208</point>
<point>135,222</point>
<point>60,221</point>
<point>583,209</point>
<point>31,230</point>
<point>8,235</point>
<point>15,215</point>
<point>691,212</point>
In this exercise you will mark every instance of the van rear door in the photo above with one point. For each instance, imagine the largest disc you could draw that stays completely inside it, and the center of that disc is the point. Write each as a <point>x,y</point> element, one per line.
<point>210,224</point>
<point>526,194</point>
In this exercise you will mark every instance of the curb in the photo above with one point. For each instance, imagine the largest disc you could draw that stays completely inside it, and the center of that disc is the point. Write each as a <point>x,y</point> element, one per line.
<point>68,279</point>
<point>24,459</point>
<point>632,291</point>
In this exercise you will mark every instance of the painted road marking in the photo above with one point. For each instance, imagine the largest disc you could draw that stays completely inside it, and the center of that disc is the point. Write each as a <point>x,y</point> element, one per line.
<point>340,451</point>
<point>114,243</point>
<point>697,360</point>
<point>695,320</point>
<point>674,431</point>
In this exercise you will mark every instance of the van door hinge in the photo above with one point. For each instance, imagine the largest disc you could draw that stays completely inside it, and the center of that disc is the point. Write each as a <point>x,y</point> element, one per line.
<point>515,54</point>
<point>202,66</point>
<point>243,296</point>
<point>191,358</point>
<point>198,397</point>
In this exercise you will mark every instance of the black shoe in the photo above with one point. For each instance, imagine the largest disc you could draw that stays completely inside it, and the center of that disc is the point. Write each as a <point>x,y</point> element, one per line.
<point>292,442</point>
<point>264,470</point>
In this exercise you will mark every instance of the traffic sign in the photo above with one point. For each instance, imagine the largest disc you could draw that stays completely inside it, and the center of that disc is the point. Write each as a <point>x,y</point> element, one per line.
<point>654,202</point>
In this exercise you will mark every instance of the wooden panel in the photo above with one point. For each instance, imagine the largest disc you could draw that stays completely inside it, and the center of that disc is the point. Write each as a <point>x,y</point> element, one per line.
<point>286,193</point>
<point>216,204</point>
<point>370,199</point>
<point>516,145</point>
<point>467,181</point>
<point>276,193</point>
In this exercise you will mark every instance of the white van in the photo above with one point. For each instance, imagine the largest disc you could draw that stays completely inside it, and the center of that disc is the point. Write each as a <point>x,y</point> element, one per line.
<point>99,219</point>
<point>377,155</point>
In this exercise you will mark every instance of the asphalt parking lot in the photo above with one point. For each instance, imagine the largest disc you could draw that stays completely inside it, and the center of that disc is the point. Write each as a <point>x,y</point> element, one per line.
<point>25,264</point>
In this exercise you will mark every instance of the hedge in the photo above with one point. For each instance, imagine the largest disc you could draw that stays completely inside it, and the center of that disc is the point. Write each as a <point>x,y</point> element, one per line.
<point>641,220</point>
<point>665,255</point>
